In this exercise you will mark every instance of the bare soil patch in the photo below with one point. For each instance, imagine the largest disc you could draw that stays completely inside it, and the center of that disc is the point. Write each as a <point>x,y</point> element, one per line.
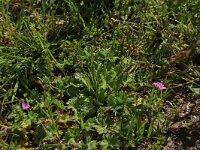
<point>184,130</point>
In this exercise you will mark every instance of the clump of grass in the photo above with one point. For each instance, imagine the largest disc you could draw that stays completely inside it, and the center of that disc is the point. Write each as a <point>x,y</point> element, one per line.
<point>84,77</point>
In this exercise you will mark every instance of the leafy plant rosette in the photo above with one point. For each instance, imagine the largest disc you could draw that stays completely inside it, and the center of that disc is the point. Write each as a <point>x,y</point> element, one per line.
<point>110,117</point>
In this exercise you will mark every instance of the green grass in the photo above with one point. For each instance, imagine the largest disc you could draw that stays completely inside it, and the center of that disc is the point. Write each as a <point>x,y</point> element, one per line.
<point>89,82</point>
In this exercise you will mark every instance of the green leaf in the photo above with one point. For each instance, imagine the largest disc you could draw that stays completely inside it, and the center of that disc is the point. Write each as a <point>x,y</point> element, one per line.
<point>140,131</point>
<point>150,130</point>
<point>91,144</point>
<point>103,84</point>
<point>100,129</point>
<point>104,144</point>
<point>195,90</point>
<point>59,104</point>
<point>39,134</point>
<point>15,90</point>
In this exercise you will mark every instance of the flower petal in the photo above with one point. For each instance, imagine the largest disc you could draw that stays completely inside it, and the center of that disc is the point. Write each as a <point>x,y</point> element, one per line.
<point>159,85</point>
<point>25,106</point>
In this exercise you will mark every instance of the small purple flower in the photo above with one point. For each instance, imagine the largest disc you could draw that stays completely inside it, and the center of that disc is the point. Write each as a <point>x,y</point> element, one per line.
<point>159,85</point>
<point>46,34</point>
<point>25,106</point>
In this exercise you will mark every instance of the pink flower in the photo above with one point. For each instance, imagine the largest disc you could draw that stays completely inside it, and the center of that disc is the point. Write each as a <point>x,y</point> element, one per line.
<point>159,85</point>
<point>25,106</point>
<point>46,34</point>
